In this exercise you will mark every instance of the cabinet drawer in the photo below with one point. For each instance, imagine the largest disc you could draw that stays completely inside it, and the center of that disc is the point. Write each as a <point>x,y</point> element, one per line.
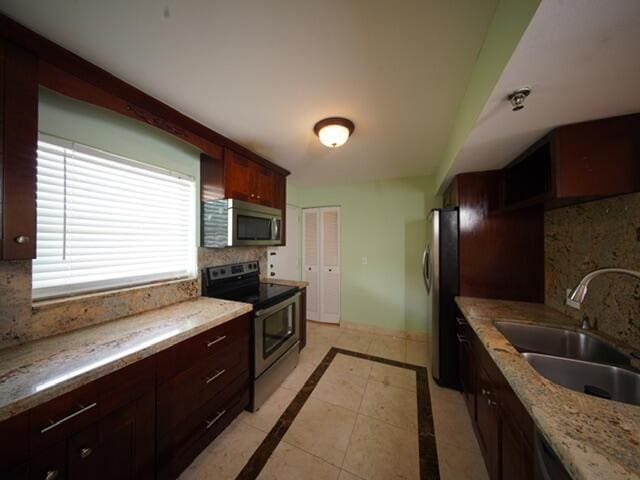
<point>183,355</point>
<point>190,389</point>
<point>181,445</point>
<point>63,416</point>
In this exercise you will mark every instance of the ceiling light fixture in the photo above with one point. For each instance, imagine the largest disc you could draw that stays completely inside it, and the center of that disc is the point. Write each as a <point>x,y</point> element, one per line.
<point>518,97</point>
<point>334,131</point>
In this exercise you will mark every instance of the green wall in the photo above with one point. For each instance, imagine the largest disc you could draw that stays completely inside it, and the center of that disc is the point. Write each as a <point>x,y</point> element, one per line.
<point>384,221</point>
<point>100,128</point>
<point>509,22</point>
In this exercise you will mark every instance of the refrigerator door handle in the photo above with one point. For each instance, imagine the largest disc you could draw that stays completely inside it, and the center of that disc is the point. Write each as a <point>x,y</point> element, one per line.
<point>426,257</point>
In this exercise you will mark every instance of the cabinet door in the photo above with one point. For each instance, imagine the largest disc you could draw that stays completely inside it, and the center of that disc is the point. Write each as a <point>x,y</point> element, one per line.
<point>263,185</point>
<point>488,422</point>
<point>467,377</point>
<point>516,456</point>
<point>120,445</point>
<point>238,182</point>
<point>49,464</point>
<point>18,150</point>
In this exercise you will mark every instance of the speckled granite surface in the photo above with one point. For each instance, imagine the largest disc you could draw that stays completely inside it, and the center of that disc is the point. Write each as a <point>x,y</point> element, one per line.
<point>20,323</point>
<point>594,438</point>
<point>282,281</point>
<point>34,372</point>
<point>582,238</point>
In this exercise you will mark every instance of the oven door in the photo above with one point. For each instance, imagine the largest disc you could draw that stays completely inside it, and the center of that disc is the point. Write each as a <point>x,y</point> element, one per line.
<point>250,227</point>
<point>276,331</point>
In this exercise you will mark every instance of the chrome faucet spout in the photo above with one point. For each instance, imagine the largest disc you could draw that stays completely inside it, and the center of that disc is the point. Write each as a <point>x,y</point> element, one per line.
<point>578,294</point>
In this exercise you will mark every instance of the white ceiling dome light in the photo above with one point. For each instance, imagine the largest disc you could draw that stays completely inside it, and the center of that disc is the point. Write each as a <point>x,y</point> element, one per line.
<point>334,131</point>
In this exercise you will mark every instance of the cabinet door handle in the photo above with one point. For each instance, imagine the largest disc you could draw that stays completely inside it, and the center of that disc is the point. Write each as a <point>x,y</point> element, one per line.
<point>213,342</point>
<point>85,452</point>
<point>461,321</point>
<point>22,239</point>
<point>52,475</point>
<point>57,423</point>
<point>216,375</point>
<point>461,338</point>
<point>210,423</point>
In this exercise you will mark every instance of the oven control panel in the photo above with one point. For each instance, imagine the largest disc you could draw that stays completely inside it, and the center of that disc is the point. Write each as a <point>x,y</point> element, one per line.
<point>234,270</point>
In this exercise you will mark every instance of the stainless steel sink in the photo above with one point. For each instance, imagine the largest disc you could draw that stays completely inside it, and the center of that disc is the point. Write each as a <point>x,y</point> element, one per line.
<point>560,342</point>
<point>605,381</point>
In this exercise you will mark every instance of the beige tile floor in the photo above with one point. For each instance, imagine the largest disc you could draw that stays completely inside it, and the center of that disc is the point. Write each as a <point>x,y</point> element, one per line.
<point>360,422</point>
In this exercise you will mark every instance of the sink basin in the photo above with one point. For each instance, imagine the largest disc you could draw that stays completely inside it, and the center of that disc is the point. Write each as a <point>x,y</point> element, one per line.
<point>605,381</point>
<point>560,342</point>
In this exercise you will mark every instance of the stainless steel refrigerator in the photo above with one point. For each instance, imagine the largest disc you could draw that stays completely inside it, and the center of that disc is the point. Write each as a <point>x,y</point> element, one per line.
<point>441,277</point>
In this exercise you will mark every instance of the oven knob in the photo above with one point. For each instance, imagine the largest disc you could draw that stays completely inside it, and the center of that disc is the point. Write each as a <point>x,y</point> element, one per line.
<point>214,273</point>
<point>222,271</point>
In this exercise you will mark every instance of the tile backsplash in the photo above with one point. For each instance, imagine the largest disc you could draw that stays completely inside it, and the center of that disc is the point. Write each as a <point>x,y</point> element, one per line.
<point>21,322</point>
<point>582,238</point>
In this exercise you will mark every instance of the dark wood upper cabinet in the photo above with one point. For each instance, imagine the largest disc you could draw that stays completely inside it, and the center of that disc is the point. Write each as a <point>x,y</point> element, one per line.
<point>235,176</point>
<point>247,180</point>
<point>575,163</point>
<point>231,175</point>
<point>18,150</point>
<point>500,256</point>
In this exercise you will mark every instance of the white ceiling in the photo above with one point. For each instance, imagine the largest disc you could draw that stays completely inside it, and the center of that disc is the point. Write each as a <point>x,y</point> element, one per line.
<point>582,60</point>
<point>263,72</point>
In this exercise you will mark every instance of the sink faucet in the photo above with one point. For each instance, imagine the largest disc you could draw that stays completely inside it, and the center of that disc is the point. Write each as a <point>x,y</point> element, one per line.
<point>578,294</point>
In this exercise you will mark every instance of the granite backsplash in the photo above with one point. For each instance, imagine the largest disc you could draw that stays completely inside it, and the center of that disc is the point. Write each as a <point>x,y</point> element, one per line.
<point>20,321</point>
<point>582,238</point>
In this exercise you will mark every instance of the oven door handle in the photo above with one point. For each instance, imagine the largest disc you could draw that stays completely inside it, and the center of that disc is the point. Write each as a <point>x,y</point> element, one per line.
<point>279,306</point>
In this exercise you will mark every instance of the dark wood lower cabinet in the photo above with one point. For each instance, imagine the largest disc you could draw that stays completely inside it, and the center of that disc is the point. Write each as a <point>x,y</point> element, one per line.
<point>503,427</point>
<point>136,423</point>
<point>516,453</point>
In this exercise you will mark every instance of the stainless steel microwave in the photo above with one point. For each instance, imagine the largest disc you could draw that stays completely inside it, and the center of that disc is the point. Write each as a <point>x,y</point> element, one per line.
<point>230,223</point>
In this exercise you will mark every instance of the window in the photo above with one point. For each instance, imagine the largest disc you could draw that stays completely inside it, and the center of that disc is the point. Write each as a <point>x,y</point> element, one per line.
<point>105,221</point>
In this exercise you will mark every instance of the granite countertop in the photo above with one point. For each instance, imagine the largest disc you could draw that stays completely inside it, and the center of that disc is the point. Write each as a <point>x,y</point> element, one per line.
<point>594,438</point>
<point>35,372</point>
<point>282,281</point>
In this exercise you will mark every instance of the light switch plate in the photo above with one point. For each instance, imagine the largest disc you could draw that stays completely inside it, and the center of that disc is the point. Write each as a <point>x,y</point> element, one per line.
<point>365,260</point>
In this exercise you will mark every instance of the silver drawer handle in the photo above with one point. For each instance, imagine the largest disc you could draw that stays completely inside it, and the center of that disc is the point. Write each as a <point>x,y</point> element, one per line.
<point>461,321</point>
<point>85,452</point>
<point>57,423</point>
<point>461,338</point>
<point>213,342</point>
<point>210,423</point>
<point>216,375</point>
<point>52,475</point>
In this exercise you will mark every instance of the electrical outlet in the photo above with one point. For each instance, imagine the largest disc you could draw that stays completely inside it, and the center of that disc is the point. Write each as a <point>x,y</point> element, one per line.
<point>365,260</point>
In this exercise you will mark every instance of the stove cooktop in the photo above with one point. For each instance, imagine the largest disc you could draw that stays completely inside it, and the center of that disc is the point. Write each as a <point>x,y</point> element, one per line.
<point>241,283</point>
<point>264,293</point>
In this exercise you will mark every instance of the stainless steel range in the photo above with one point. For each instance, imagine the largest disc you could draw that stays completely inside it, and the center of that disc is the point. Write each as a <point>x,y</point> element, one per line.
<point>276,322</point>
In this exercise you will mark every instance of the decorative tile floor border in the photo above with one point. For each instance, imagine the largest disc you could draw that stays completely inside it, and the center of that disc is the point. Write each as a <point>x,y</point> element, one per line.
<point>426,433</point>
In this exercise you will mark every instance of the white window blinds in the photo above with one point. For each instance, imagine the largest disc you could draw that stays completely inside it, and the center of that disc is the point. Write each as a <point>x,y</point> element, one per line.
<point>105,221</point>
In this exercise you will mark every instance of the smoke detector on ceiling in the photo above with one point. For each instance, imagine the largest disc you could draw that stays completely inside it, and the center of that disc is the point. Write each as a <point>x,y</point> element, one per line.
<point>518,97</point>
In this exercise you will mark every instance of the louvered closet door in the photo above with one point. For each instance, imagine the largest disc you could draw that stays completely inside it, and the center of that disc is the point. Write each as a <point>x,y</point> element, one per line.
<point>311,260</point>
<point>330,265</point>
